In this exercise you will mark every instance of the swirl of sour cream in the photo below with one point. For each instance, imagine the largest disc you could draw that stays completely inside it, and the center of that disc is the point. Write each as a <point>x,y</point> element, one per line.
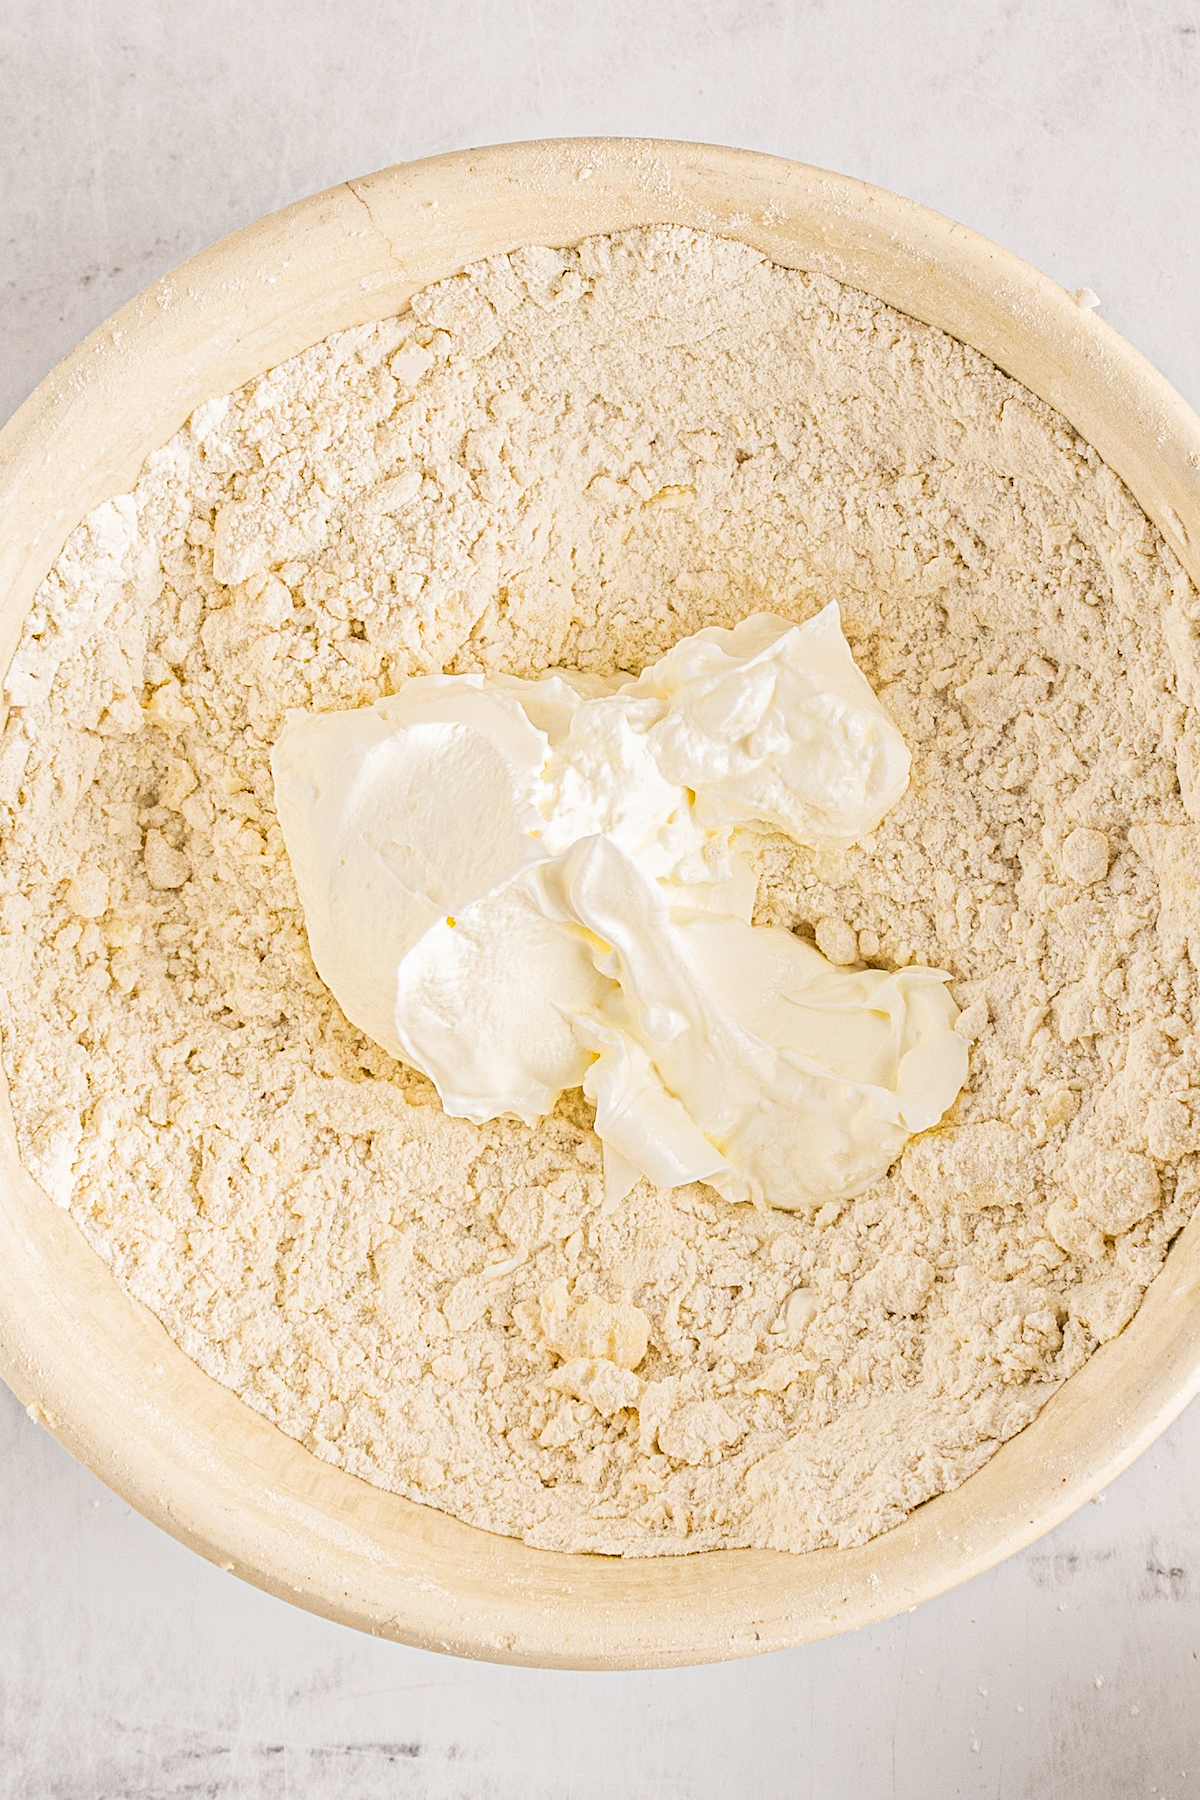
<point>520,887</point>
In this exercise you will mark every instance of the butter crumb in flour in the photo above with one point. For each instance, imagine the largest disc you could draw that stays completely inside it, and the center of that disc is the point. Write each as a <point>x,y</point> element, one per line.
<point>577,460</point>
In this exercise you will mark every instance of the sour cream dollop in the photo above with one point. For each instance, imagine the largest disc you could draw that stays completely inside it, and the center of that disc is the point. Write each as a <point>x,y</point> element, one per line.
<point>520,887</point>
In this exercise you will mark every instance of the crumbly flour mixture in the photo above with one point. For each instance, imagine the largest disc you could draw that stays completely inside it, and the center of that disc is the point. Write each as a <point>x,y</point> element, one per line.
<point>576,458</point>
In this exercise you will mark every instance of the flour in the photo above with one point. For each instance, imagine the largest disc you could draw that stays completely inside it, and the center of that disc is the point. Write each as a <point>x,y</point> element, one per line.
<point>576,458</point>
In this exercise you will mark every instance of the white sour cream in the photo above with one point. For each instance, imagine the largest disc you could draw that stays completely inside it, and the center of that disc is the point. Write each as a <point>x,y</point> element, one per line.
<point>525,886</point>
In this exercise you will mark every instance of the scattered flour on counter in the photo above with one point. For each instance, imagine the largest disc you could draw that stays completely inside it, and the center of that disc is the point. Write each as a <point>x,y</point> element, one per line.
<point>576,458</point>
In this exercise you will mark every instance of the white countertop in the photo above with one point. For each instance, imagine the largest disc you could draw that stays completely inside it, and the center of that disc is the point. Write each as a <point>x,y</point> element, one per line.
<point>141,130</point>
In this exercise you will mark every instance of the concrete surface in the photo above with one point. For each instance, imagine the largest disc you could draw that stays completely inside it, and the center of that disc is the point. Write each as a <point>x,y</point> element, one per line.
<point>138,131</point>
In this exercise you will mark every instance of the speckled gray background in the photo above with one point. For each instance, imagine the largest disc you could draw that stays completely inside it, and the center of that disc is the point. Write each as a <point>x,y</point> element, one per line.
<point>136,132</point>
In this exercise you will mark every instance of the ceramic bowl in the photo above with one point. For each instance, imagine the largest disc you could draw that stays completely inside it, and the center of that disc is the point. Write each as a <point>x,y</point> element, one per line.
<point>93,1365</point>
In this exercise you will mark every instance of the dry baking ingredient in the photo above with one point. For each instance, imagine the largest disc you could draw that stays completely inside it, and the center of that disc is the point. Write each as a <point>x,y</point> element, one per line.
<point>575,459</point>
<point>519,888</point>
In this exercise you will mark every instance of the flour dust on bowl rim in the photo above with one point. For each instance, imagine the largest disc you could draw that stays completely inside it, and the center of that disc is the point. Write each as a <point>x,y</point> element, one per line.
<point>94,1366</point>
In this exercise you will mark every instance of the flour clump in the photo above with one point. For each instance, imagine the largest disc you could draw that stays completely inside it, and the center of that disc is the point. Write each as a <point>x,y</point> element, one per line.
<point>579,460</point>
